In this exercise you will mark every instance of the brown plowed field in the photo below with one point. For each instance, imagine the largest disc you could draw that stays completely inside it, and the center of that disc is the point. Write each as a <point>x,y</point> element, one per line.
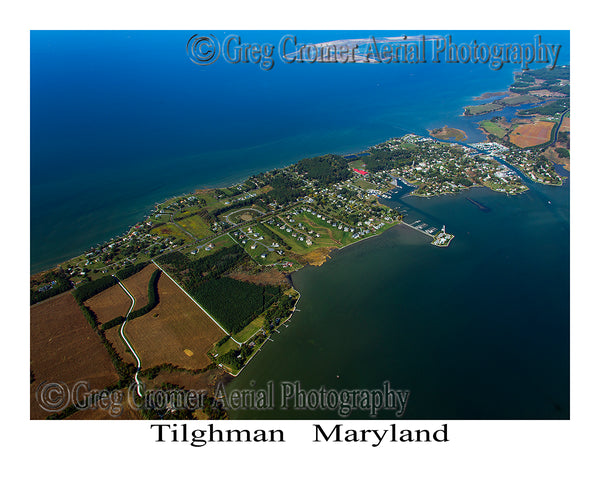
<point>270,277</point>
<point>173,330</point>
<point>64,348</point>
<point>118,406</point>
<point>530,134</point>
<point>109,303</point>
<point>138,285</point>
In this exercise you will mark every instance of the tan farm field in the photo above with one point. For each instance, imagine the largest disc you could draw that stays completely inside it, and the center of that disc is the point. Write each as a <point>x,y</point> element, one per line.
<point>64,348</point>
<point>137,285</point>
<point>176,331</point>
<point>109,303</point>
<point>530,134</point>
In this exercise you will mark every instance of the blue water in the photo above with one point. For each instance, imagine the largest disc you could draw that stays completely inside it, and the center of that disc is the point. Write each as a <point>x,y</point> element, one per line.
<point>121,120</point>
<point>478,330</point>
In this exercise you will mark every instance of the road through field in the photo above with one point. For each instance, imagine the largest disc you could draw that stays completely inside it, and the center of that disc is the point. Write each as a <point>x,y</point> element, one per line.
<point>139,362</point>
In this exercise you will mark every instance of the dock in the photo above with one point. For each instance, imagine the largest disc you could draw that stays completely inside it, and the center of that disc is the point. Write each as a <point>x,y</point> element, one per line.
<point>439,239</point>
<point>419,226</point>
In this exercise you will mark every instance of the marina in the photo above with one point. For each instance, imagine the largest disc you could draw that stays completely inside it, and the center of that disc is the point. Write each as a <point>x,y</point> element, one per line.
<point>440,239</point>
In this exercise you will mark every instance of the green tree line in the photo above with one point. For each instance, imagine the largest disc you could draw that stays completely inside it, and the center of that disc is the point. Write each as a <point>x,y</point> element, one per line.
<point>89,289</point>
<point>129,271</point>
<point>153,297</point>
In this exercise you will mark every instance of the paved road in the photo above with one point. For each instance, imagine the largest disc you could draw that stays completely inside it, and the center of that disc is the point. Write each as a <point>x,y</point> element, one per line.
<point>139,362</point>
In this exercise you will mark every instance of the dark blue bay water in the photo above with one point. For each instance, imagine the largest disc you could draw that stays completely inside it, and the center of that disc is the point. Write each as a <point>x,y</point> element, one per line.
<point>121,120</point>
<point>477,330</point>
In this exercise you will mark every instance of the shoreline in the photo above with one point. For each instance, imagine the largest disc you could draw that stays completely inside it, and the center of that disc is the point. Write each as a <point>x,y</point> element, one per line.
<point>164,200</point>
<point>226,183</point>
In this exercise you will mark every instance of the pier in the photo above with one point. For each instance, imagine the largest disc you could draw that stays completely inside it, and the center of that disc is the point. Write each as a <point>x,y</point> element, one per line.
<point>440,239</point>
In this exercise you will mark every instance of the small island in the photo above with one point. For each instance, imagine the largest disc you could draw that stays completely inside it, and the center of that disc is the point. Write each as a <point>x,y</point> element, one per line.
<point>447,133</point>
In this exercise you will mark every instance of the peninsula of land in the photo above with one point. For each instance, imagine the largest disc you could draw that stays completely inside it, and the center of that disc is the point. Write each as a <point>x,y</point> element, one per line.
<point>195,290</point>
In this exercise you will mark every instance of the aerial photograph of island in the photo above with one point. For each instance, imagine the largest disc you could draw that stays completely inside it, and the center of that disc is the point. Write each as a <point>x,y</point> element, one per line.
<point>300,225</point>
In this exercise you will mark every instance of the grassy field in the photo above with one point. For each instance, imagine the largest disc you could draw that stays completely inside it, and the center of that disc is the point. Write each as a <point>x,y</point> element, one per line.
<point>448,133</point>
<point>196,226</point>
<point>176,331</point>
<point>493,128</point>
<point>171,231</point>
<point>212,203</point>
<point>481,109</point>
<point>186,212</point>
<point>358,164</point>
<point>223,349</point>
<point>329,236</point>
<point>250,329</point>
<point>63,347</point>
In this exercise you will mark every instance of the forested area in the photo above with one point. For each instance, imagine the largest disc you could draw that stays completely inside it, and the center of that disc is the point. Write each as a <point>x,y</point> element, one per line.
<point>386,159</point>
<point>559,106</point>
<point>326,169</point>
<point>284,189</point>
<point>233,303</point>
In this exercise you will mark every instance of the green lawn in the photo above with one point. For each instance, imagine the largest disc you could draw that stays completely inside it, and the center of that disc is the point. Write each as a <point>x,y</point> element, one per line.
<point>250,329</point>
<point>223,349</point>
<point>358,164</point>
